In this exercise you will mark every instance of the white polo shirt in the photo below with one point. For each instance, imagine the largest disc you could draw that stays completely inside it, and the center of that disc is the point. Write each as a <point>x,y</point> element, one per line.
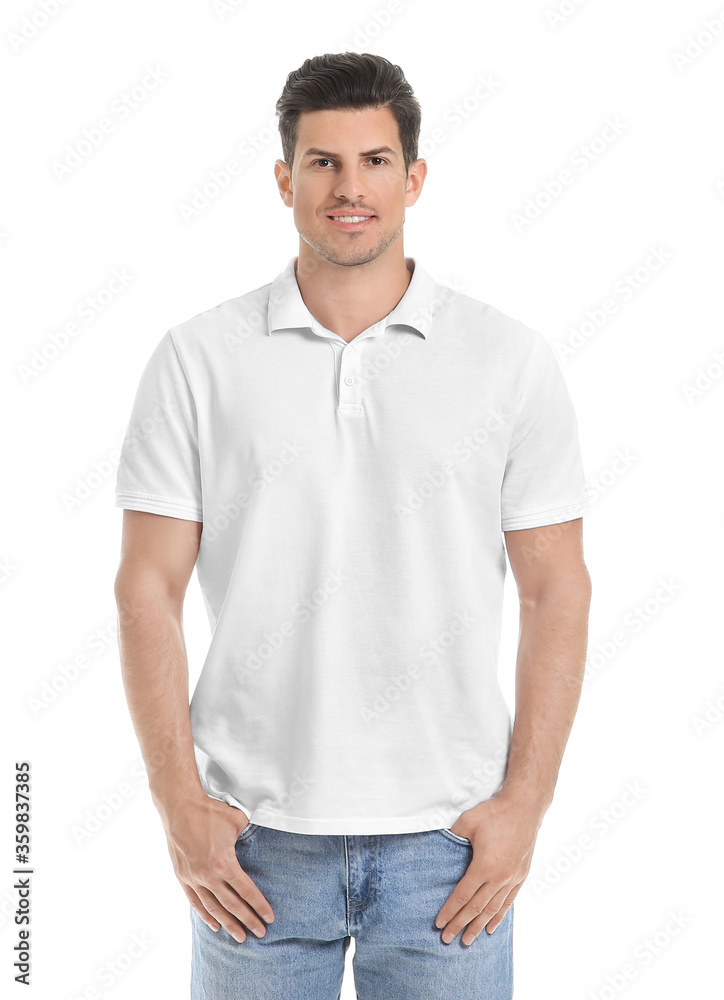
<point>353,499</point>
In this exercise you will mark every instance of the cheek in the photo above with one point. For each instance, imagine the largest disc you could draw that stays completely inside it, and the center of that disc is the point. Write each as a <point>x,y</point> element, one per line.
<point>309,198</point>
<point>390,196</point>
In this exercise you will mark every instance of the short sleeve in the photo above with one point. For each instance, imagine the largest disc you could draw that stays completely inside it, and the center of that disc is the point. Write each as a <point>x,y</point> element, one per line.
<point>544,480</point>
<point>159,468</point>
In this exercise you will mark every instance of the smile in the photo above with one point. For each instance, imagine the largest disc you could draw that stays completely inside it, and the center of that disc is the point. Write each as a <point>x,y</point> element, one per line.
<point>351,222</point>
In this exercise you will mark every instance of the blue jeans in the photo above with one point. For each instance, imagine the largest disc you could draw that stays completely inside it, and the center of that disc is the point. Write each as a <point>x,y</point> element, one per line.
<point>385,890</point>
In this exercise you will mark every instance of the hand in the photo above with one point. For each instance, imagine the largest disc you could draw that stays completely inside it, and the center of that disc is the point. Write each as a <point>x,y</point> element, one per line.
<point>201,835</point>
<point>503,832</point>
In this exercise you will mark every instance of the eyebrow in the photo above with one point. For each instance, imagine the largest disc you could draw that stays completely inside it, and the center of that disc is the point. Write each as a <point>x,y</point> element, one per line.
<point>336,156</point>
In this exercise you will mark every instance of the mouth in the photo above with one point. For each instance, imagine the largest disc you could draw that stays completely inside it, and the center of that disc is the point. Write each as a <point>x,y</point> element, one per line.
<point>341,221</point>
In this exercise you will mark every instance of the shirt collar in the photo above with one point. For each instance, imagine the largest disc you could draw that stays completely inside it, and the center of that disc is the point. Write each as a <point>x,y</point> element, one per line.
<point>416,308</point>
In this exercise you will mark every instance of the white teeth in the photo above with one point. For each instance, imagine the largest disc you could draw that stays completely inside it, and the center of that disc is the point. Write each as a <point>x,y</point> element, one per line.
<point>352,218</point>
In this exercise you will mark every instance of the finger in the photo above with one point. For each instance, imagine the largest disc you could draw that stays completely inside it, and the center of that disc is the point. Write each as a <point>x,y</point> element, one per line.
<point>239,905</point>
<point>463,892</point>
<point>490,917</point>
<point>498,918</point>
<point>231,912</point>
<point>480,907</point>
<point>247,888</point>
<point>491,912</point>
<point>507,903</point>
<point>200,908</point>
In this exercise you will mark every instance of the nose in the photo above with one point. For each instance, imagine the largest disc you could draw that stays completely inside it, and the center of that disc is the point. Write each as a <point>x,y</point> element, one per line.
<point>350,185</point>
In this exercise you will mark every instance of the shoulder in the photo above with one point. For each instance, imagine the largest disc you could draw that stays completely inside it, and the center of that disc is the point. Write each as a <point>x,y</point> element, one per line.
<point>506,336</point>
<point>215,329</point>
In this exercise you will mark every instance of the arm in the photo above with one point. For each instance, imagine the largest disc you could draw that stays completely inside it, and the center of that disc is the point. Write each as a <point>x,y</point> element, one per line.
<point>554,590</point>
<point>158,555</point>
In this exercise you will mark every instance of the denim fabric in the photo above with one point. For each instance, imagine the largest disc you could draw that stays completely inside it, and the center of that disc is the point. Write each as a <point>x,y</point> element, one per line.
<point>385,890</point>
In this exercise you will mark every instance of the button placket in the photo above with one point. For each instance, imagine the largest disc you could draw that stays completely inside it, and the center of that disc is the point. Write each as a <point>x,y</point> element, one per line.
<point>350,372</point>
<point>349,385</point>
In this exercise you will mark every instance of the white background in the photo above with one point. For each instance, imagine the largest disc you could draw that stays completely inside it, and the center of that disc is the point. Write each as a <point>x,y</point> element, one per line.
<point>590,925</point>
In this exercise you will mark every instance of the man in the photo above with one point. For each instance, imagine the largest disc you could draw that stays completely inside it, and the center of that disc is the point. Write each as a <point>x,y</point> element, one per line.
<point>345,454</point>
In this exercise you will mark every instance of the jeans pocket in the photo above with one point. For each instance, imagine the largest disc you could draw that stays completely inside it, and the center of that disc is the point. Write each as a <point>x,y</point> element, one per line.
<point>455,837</point>
<point>247,831</point>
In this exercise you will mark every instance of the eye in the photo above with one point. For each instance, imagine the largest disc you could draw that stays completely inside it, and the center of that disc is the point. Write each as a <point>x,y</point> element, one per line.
<point>325,159</point>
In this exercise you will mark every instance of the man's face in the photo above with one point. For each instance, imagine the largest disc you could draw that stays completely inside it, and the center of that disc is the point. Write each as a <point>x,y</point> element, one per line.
<point>341,163</point>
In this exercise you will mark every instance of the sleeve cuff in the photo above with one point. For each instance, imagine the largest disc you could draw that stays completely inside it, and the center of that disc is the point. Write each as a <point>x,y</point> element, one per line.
<point>545,515</point>
<point>159,505</point>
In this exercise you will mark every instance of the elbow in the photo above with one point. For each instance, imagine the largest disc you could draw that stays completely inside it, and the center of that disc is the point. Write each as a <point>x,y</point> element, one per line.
<point>571,589</point>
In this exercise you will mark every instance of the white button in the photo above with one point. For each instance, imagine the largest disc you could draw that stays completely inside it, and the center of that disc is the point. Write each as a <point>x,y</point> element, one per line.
<point>350,350</point>
<point>349,380</point>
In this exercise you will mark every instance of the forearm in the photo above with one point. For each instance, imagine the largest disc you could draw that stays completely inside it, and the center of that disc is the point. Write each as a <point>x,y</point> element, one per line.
<point>155,676</point>
<point>549,675</point>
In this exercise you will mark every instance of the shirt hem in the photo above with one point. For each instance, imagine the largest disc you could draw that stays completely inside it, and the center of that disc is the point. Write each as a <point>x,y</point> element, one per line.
<point>545,515</point>
<point>366,826</point>
<point>158,505</point>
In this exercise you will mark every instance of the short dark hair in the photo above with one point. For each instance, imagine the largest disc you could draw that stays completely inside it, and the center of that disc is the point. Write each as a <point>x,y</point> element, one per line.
<point>348,80</point>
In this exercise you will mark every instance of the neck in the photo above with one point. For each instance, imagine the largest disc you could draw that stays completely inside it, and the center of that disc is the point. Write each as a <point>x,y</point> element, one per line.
<point>348,299</point>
